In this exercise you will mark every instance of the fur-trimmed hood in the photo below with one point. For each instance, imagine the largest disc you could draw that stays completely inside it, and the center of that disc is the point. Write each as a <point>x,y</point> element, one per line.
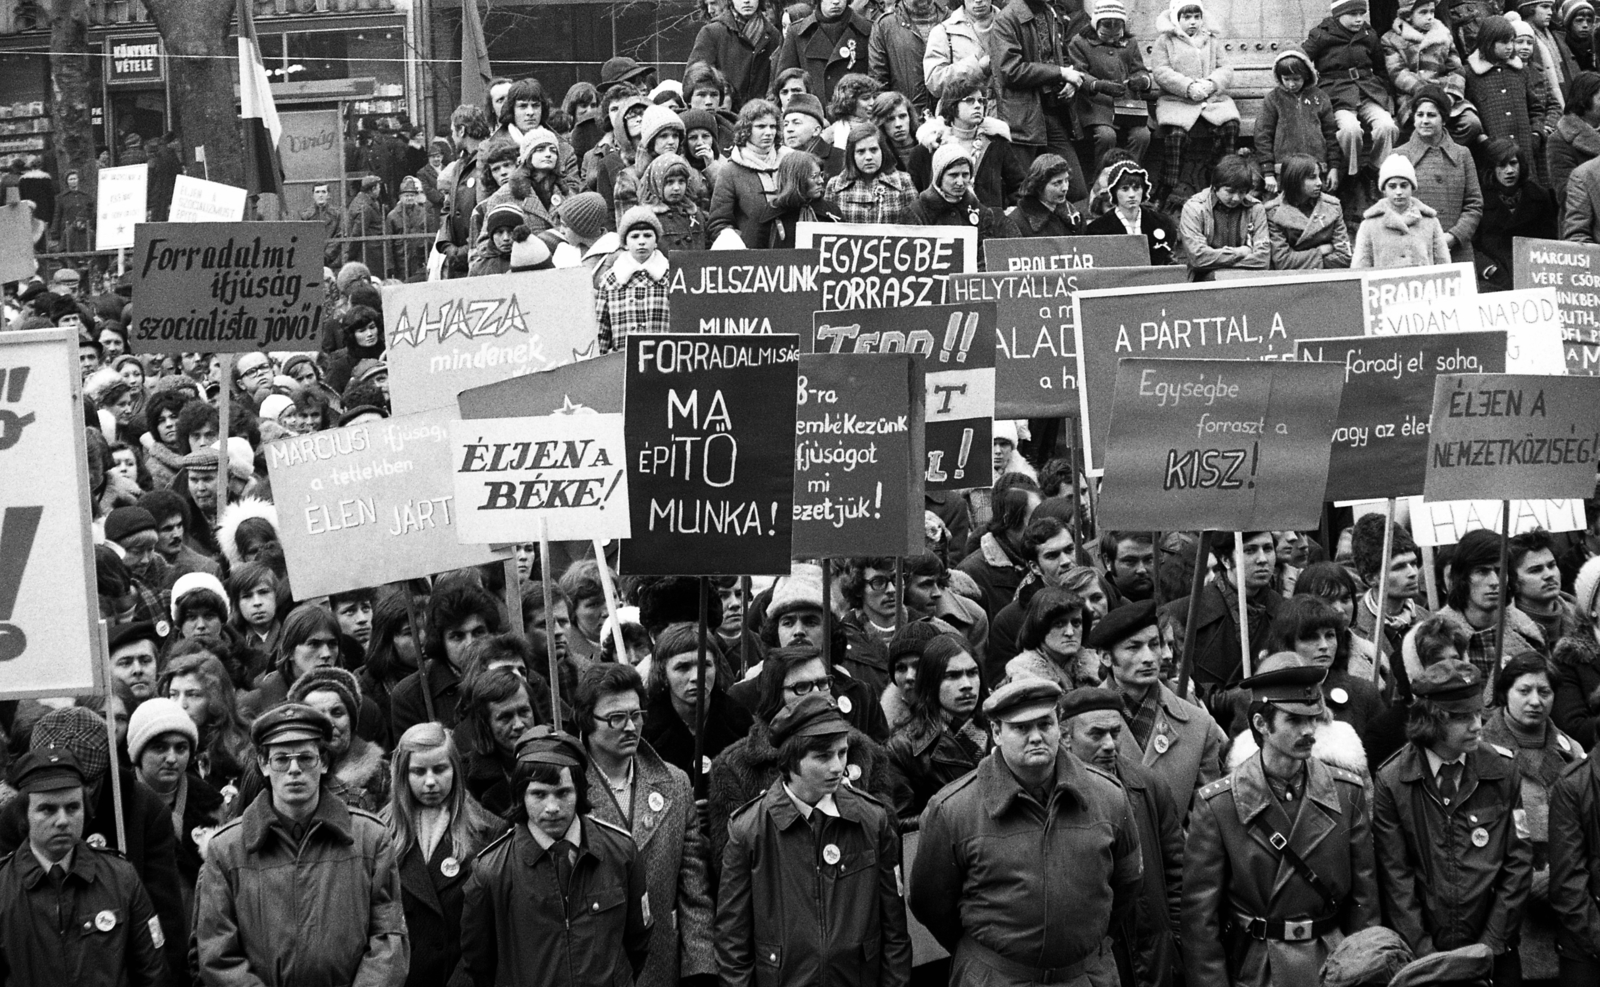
<point>1165,24</point>
<point>895,707</point>
<point>1337,743</point>
<point>1577,649</point>
<point>1296,55</point>
<point>934,130</point>
<point>1478,65</point>
<point>234,514</point>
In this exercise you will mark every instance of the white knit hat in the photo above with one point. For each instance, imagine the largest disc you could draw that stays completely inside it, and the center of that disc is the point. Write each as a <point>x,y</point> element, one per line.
<point>155,717</point>
<point>1586,587</point>
<point>1396,165</point>
<point>274,405</point>
<point>801,588</point>
<point>191,581</point>
<point>1109,8</point>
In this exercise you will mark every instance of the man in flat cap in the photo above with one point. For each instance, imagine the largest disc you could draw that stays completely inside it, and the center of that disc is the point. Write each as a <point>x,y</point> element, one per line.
<point>1454,868</point>
<point>1092,721</point>
<point>1279,856</point>
<point>1177,740</point>
<point>562,899</point>
<point>811,882</point>
<point>1026,864</point>
<point>71,914</point>
<point>299,889</point>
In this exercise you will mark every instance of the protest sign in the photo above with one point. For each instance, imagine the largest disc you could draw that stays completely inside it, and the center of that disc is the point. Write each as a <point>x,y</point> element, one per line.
<point>1445,522</point>
<point>369,504</point>
<point>1573,270</point>
<point>1510,436</point>
<point>49,610</point>
<point>119,203</point>
<point>17,232</point>
<point>872,265</point>
<point>958,371</point>
<point>710,426</point>
<point>1406,300</point>
<point>445,337</point>
<point>1380,442</point>
<point>744,291</point>
<point>1065,253</point>
<point>1238,320</point>
<point>227,287</point>
<point>1221,444</point>
<point>858,434</point>
<point>195,200</point>
<point>576,388</point>
<point>1036,343</point>
<point>1530,318</point>
<point>565,470</point>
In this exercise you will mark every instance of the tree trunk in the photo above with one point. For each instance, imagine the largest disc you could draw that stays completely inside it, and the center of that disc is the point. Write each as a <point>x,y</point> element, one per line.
<point>202,86</point>
<point>71,69</point>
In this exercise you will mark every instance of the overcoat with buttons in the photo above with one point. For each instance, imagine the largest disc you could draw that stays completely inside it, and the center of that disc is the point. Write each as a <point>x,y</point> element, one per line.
<point>1507,102</point>
<point>1184,749</point>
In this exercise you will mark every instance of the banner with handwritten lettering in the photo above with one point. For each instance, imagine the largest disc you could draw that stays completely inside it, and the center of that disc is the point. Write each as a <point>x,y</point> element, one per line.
<point>1234,445</point>
<point>226,287</point>
<point>958,370</point>
<point>1509,436</point>
<point>744,291</point>
<point>1407,300</point>
<point>1036,342</point>
<point>872,265</point>
<point>858,432</point>
<point>1380,442</point>
<point>1013,255</point>
<point>369,504</point>
<point>445,337</point>
<point>710,441</point>
<point>1573,270</point>
<point>1236,320</point>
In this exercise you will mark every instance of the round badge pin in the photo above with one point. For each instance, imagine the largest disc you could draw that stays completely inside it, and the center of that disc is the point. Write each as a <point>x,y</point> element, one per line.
<point>705,766</point>
<point>96,840</point>
<point>1480,837</point>
<point>105,921</point>
<point>657,803</point>
<point>830,853</point>
<point>853,772</point>
<point>1162,743</point>
<point>449,867</point>
<point>1338,695</point>
<point>845,705</point>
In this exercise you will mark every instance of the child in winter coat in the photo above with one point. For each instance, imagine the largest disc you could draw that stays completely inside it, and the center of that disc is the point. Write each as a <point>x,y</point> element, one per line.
<point>1346,51</point>
<point>870,189</point>
<point>632,296</point>
<point>1194,103</point>
<point>1110,103</point>
<point>1305,224</point>
<point>1541,79</point>
<point>1296,118</point>
<point>1576,26</point>
<point>1498,86</point>
<point>1399,230</point>
<point>492,255</point>
<point>661,132</point>
<point>673,188</point>
<point>1419,51</point>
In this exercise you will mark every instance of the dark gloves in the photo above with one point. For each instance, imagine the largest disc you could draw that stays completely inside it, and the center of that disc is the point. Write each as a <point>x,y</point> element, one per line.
<point>1140,83</point>
<point>1105,87</point>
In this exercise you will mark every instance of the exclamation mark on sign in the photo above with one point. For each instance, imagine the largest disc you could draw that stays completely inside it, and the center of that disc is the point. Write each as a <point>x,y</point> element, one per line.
<point>611,489</point>
<point>967,336</point>
<point>966,450</point>
<point>950,332</point>
<point>773,513</point>
<point>17,529</point>
<point>1255,461</point>
<point>877,503</point>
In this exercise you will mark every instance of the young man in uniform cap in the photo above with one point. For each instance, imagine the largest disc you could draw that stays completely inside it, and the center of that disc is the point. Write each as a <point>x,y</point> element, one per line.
<point>811,883</point>
<point>561,899</point>
<point>1027,864</point>
<point>71,914</point>
<point>1455,869</point>
<point>1092,720</point>
<point>299,889</point>
<point>1177,740</point>
<point>1279,856</point>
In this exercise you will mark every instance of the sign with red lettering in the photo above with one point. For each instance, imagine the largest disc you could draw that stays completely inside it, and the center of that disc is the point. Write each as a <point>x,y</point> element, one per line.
<point>1510,436</point>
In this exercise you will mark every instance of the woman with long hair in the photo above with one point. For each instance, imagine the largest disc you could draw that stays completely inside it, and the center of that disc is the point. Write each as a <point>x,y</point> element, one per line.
<point>870,189</point>
<point>947,735</point>
<point>436,830</point>
<point>1334,585</point>
<point>897,119</point>
<point>799,198</point>
<point>672,687</point>
<point>1313,629</point>
<point>1053,629</point>
<point>391,651</point>
<point>256,600</point>
<point>197,680</point>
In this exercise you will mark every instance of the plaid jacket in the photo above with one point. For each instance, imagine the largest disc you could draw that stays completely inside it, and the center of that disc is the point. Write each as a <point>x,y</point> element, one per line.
<point>888,198</point>
<point>631,298</point>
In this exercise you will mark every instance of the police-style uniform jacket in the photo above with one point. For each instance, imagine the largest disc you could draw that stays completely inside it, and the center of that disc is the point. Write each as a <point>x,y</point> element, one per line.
<point>1458,874</point>
<point>99,930</point>
<point>1250,916</point>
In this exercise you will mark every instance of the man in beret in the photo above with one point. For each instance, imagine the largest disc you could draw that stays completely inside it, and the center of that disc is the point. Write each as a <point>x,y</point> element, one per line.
<point>1279,859</point>
<point>71,914</point>
<point>1177,740</point>
<point>1454,868</point>
<point>811,882</point>
<point>562,898</point>
<point>133,650</point>
<point>1027,864</point>
<point>1092,720</point>
<point>299,889</point>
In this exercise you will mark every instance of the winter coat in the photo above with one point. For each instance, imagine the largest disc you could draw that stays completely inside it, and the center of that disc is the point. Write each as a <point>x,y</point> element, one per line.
<point>1575,859</point>
<point>672,850</point>
<point>1184,749</point>
<point>1298,123</point>
<point>806,46</point>
<point>1448,181</point>
<point>361,778</point>
<point>1159,232</point>
<point>1387,239</point>
<point>953,49</point>
<point>786,224</point>
<point>73,227</point>
<point>1351,64</point>
<point>933,209</point>
<point>926,758</point>
<point>407,707</point>
<point>1158,916</point>
<point>683,227</point>
<point>1444,884</point>
<point>1026,76</point>
<point>887,197</point>
<point>1576,708</point>
<point>996,571</point>
<point>460,198</point>
<point>1531,211</point>
<point>1178,62</point>
<point>327,912</point>
<point>997,179</point>
<point>1107,61</point>
<point>747,66</point>
<point>1030,218</point>
<point>739,200</point>
<point>632,298</point>
<point>1216,640</point>
<point>364,218</point>
<point>1296,236</point>
<point>566,162</point>
<point>1415,59</point>
<point>1197,227</point>
<point>1571,144</point>
<point>432,899</point>
<point>1580,211</point>
<point>410,228</point>
<point>1508,103</point>
<point>1230,869</point>
<point>668,735</point>
<point>785,919</point>
<point>894,58</point>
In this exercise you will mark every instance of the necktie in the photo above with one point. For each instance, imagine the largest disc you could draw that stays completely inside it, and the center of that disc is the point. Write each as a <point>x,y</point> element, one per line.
<point>1447,781</point>
<point>58,882</point>
<point>818,820</point>
<point>58,876</point>
<point>562,850</point>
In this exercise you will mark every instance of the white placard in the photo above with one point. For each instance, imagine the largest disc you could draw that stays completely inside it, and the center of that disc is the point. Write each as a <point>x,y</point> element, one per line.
<point>195,200</point>
<point>119,203</point>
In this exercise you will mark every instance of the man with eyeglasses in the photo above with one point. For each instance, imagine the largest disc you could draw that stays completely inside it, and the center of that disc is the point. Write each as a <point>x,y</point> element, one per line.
<point>874,617</point>
<point>252,374</point>
<point>300,889</point>
<point>632,788</point>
